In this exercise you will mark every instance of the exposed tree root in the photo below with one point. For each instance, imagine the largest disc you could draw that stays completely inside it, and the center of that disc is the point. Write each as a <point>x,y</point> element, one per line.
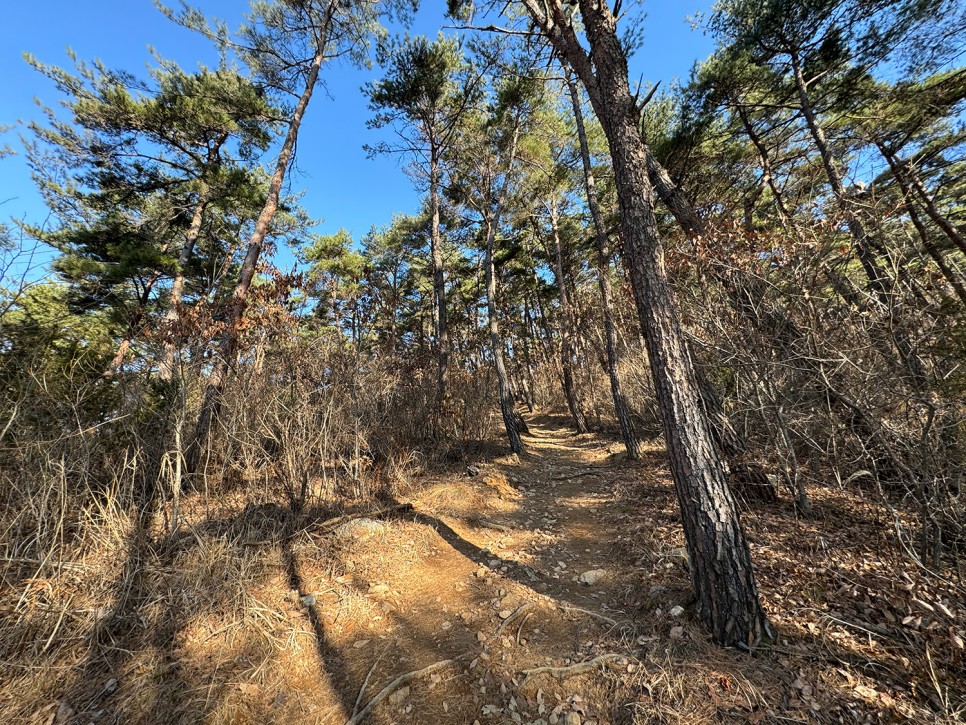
<point>581,668</point>
<point>519,610</point>
<point>395,685</point>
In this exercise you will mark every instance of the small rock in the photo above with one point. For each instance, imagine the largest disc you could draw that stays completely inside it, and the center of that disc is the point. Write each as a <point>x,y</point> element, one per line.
<point>64,714</point>
<point>307,601</point>
<point>677,611</point>
<point>677,632</point>
<point>378,590</point>
<point>570,718</point>
<point>505,613</point>
<point>472,471</point>
<point>360,529</point>
<point>656,590</point>
<point>399,696</point>
<point>679,555</point>
<point>592,577</point>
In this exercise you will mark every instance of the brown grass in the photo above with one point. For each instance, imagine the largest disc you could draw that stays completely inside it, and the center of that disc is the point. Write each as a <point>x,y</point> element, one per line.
<point>249,613</point>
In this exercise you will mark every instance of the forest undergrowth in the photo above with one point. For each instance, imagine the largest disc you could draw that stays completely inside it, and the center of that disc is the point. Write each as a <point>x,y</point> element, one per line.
<point>547,587</point>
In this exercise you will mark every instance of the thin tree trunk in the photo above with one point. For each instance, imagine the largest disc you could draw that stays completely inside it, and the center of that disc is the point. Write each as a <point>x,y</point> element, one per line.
<point>767,177</point>
<point>878,279</point>
<point>493,219</point>
<point>439,291</point>
<point>621,410</point>
<point>937,256</point>
<point>566,353</point>
<point>173,314</point>
<point>880,282</point>
<point>931,210</point>
<point>211,405</point>
<point>507,409</point>
<point>132,328</point>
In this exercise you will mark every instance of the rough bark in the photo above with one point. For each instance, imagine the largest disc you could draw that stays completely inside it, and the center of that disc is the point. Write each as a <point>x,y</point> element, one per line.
<point>745,474</point>
<point>621,409</point>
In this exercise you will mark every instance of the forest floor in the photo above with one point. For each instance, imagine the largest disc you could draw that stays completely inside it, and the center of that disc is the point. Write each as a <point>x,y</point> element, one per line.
<point>544,588</point>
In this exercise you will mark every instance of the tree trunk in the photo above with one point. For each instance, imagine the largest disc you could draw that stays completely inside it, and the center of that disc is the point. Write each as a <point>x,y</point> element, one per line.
<point>931,210</point>
<point>721,572</point>
<point>566,353</point>
<point>173,315</point>
<point>621,410</point>
<point>745,474</point>
<point>439,291</point>
<point>937,256</point>
<point>879,281</point>
<point>507,409</point>
<point>211,405</point>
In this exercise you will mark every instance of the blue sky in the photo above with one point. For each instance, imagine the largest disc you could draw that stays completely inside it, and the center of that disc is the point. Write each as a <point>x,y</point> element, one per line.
<point>343,187</point>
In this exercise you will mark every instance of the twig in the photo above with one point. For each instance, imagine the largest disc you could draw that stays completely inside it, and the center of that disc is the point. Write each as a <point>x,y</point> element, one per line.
<point>522,622</point>
<point>487,524</point>
<point>595,615</point>
<point>519,610</point>
<point>365,683</point>
<point>573,670</point>
<point>393,686</point>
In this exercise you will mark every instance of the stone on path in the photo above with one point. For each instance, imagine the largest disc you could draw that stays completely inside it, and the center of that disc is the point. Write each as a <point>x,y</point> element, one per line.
<point>592,577</point>
<point>360,529</point>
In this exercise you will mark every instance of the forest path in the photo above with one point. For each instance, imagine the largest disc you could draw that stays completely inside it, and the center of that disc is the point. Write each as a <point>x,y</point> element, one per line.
<point>510,566</point>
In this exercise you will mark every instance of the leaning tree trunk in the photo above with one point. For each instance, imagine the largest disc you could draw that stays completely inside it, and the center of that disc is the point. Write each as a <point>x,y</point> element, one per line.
<point>721,571</point>
<point>211,405</point>
<point>621,409</point>
<point>905,187</point>
<point>493,216</point>
<point>745,474</point>
<point>879,280</point>
<point>566,351</point>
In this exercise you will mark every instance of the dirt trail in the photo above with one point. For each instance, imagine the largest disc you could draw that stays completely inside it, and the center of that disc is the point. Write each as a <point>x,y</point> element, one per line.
<point>509,567</point>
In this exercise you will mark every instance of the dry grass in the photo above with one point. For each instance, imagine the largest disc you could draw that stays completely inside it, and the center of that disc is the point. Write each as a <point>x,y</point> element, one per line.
<point>247,612</point>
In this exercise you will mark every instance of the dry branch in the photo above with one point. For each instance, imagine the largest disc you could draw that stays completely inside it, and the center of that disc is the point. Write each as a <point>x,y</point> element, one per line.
<point>395,685</point>
<point>595,615</point>
<point>580,668</point>
<point>519,610</point>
